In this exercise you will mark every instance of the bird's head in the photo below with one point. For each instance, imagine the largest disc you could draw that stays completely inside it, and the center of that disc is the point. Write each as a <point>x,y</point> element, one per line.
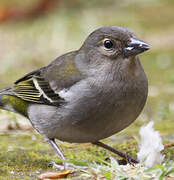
<point>113,42</point>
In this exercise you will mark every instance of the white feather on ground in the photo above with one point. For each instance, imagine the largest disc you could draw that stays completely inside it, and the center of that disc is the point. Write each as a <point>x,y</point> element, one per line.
<point>150,146</point>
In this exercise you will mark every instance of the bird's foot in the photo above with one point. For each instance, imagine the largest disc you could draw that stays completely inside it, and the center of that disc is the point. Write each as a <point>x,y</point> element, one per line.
<point>132,161</point>
<point>128,160</point>
<point>66,165</point>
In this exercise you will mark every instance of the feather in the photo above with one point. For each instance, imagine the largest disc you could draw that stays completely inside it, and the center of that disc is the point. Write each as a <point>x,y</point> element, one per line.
<point>34,88</point>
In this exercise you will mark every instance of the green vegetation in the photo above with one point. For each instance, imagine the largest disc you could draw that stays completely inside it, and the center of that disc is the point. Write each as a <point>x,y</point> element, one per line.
<point>31,43</point>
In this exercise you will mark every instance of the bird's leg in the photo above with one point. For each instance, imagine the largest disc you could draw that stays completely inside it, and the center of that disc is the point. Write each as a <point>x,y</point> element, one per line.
<point>118,152</point>
<point>59,153</point>
<point>62,157</point>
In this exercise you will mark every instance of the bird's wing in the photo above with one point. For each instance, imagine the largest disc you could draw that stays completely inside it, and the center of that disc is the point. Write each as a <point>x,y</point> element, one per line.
<point>42,86</point>
<point>63,72</point>
<point>34,88</point>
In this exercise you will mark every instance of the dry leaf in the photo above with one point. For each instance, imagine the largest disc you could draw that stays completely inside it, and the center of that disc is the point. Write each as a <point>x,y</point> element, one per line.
<point>70,146</point>
<point>85,144</point>
<point>169,144</point>
<point>54,175</point>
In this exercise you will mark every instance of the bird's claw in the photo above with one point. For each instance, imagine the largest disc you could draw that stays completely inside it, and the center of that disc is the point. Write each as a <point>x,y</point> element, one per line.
<point>66,165</point>
<point>131,160</point>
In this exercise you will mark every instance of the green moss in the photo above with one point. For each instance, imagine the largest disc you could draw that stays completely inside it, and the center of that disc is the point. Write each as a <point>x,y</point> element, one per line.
<point>34,44</point>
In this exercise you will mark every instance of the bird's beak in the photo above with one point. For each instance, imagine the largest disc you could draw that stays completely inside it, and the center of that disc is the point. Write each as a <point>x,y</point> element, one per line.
<point>134,47</point>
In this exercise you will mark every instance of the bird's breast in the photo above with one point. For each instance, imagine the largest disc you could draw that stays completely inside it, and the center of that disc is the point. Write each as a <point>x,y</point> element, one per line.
<point>101,111</point>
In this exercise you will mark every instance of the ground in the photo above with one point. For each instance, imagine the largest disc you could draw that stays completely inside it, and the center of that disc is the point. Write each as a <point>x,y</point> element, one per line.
<point>31,43</point>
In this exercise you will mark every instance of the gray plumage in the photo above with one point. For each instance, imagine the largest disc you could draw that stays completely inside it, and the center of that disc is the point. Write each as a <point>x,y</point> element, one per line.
<point>88,94</point>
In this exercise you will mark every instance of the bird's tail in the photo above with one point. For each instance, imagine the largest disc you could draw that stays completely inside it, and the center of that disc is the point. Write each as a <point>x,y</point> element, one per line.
<point>10,102</point>
<point>4,98</point>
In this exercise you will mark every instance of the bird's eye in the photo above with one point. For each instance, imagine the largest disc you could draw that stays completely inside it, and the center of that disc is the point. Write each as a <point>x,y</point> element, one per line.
<point>108,44</point>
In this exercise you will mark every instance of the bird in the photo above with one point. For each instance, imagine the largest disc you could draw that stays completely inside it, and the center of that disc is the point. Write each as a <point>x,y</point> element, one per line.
<point>85,95</point>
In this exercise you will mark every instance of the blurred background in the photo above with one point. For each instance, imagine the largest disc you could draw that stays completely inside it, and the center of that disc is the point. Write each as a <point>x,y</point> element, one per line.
<point>35,32</point>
